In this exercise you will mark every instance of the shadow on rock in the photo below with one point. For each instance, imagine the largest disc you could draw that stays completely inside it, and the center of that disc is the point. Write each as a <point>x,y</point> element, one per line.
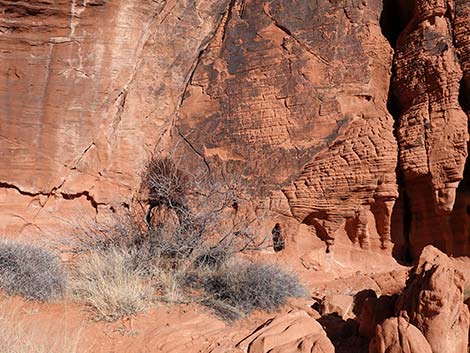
<point>344,334</point>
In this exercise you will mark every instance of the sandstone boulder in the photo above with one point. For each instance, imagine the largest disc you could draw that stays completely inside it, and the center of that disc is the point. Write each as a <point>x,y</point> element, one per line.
<point>339,304</point>
<point>396,335</point>
<point>434,302</point>
<point>295,332</point>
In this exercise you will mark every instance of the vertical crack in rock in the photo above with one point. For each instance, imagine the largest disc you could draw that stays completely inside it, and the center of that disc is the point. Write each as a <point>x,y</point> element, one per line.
<point>83,154</point>
<point>394,18</point>
<point>203,47</point>
<point>460,217</point>
<point>121,99</point>
<point>297,40</point>
<point>194,149</point>
<point>464,96</point>
<point>228,17</point>
<point>190,75</point>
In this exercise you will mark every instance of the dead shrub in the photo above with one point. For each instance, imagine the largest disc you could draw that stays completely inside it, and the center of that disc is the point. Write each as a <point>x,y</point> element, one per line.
<point>31,271</point>
<point>123,231</point>
<point>166,184</point>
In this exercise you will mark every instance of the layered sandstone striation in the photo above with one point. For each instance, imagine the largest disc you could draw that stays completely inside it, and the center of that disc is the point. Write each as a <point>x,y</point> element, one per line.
<point>432,127</point>
<point>291,332</point>
<point>296,95</point>
<point>290,98</point>
<point>87,90</point>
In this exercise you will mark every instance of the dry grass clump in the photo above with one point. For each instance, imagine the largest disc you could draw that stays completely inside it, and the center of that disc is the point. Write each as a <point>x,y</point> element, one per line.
<point>31,271</point>
<point>252,286</point>
<point>107,282</point>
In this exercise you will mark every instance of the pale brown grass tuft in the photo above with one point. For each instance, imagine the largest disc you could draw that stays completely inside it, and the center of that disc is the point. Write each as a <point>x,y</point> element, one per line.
<point>109,286</point>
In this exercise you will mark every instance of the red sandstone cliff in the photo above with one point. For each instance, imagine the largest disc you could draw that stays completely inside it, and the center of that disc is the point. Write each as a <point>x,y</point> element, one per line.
<point>347,119</point>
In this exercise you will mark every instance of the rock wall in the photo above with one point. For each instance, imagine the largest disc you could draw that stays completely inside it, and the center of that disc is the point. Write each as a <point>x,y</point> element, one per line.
<point>324,110</point>
<point>432,130</point>
<point>430,313</point>
<point>302,90</point>
<point>88,88</point>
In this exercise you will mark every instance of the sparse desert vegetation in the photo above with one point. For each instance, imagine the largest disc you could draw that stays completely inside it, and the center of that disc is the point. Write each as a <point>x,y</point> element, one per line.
<point>179,252</point>
<point>170,169</point>
<point>31,271</point>
<point>252,286</point>
<point>107,283</point>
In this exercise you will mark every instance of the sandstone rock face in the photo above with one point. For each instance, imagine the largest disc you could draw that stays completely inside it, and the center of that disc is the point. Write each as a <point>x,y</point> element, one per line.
<point>302,89</point>
<point>462,42</point>
<point>289,333</point>
<point>432,129</point>
<point>460,217</point>
<point>396,335</point>
<point>433,301</point>
<point>87,90</point>
<point>341,305</point>
<point>290,97</point>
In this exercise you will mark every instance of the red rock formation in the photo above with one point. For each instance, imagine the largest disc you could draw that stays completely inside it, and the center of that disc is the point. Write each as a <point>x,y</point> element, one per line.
<point>460,217</point>
<point>289,333</point>
<point>396,335</point>
<point>373,312</point>
<point>87,90</point>
<point>274,92</point>
<point>291,96</point>
<point>432,129</point>
<point>461,28</point>
<point>341,305</point>
<point>290,89</point>
<point>433,301</point>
